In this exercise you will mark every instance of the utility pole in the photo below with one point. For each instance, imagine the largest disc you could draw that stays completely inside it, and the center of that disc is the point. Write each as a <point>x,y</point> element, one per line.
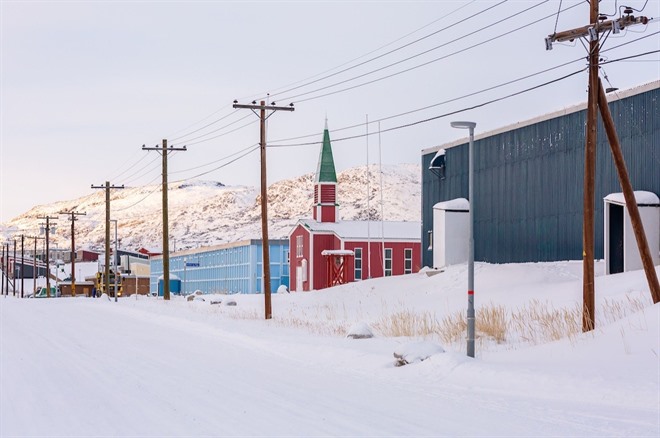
<point>22,263</point>
<point>107,188</point>
<point>13,272</point>
<point>262,107</point>
<point>4,271</point>
<point>600,24</point>
<point>48,220</point>
<point>6,268</point>
<point>34,264</point>
<point>629,196</point>
<point>73,247</point>
<point>164,150</point>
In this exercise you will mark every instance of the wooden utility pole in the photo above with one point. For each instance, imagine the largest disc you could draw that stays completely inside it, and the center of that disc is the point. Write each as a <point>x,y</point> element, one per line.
<point>592,32</point>
<point>6,268</point>
<point>73,219</point>
<point>34,264</point>
<point>629,196</point>
<point>164,150</point>
<point>4,271</point>
<point>22,263</point>
<point>107,188</point>
<point>262,107</point>
<point>47,227</point>
<point>13,272</point>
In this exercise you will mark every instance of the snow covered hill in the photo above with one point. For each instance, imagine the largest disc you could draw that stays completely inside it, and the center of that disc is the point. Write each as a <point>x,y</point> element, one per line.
<point>203,213</point>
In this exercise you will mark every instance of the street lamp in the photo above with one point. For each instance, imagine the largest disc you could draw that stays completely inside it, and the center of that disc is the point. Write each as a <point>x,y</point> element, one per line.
<point>470,310</point>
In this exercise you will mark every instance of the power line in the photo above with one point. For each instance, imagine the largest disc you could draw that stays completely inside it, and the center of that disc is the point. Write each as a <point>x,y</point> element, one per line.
<point>188,142</point>
<point>254,148</point>
<point>130,167</point>
<point>223,134</point>
<point>331,69</point>
<point>216,161</point>
<point>407,125</point>
<point>366,54</point>
<point>630,57</point>
<point>138,171</point>
<point>397,49</point>
<point>249,151</point>
<point>423,64</point>
<point>205,126</point>
<point>439,103</point>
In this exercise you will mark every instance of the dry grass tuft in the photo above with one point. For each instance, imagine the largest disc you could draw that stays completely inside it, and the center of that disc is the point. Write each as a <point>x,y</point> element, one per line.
<point>407,323</point>
<point>492,321</point>
<point>539,322</point>
<point>536,322</point>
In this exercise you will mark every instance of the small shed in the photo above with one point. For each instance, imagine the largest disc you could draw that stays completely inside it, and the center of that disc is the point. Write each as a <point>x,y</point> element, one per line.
<point>83,288</point>
<point>621,252</point>
<point>451,231</point>
<point>175,285</point>
<point>338,260</point>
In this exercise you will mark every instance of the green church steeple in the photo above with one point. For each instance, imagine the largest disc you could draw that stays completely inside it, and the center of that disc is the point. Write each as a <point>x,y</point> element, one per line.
<point>326,168</point>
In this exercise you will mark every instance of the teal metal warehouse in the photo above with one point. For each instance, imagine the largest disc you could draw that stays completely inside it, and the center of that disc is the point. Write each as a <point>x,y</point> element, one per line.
<point>228,268</point>
<point>529,179</point>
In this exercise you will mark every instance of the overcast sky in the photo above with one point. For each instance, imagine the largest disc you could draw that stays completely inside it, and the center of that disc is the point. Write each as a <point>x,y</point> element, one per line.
<point>85,84</point>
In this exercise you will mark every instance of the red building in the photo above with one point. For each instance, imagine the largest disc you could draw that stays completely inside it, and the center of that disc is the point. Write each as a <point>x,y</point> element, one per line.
<point>326,251</point>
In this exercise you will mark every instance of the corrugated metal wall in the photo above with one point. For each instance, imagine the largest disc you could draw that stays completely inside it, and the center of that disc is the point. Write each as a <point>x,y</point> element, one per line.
<point>528,182</point>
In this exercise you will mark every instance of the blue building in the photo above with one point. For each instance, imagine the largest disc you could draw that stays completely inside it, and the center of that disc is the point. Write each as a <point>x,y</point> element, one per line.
<point>529,179</point>
<point>229,268</point>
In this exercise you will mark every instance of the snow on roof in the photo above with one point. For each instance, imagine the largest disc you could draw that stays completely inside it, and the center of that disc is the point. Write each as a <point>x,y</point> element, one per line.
<point>642,198</point>
<point>343,252</point>
<point>453,204</point>
<point>621,94</point>
<point>361,230</point>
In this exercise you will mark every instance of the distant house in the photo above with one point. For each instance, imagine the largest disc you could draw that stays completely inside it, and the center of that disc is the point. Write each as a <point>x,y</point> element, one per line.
<point>228,268</point>
<point>326,251</point>
<point>148,252</point>
<point>85,255</point>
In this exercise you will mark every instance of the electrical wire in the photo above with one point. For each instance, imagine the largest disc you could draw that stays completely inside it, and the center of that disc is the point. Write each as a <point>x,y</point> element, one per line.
<point>407,125</point>
<point>366,54</point>
<point>215,130</point>
<point>630,57</point>
<point>249,151</point>
<point>334,68</point>
<point>440,103</point>
<point>224,133</point>
<point>205,126</point>
<point>158,186</point>
<point>215,161</point>
<point>557,20</point>
<point>144,156</point>
<point>139,174</point>
<point>399,48</point>
<point>416,66</point>
<point>292,98</point>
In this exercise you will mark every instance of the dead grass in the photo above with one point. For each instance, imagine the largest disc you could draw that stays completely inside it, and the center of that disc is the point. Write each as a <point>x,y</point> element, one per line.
<point>407,323</point>
<point>536,322</point>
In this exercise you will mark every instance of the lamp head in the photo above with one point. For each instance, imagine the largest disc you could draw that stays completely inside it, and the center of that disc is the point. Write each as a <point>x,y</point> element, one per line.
<point>463,125</point>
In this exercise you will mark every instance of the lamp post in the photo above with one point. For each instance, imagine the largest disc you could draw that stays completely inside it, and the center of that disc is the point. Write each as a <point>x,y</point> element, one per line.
<point>470,309</point>
<point>185,266</point>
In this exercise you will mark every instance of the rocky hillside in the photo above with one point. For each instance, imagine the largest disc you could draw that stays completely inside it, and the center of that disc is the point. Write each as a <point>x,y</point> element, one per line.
<point>204,213</point>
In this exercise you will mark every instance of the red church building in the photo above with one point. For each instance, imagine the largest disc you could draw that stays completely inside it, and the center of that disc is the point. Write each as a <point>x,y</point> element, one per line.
<point>326,251</point>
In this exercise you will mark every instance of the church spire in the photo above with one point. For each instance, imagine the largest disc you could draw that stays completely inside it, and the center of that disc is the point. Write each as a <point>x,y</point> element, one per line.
<point>326,168</point>
<point>325,186</point>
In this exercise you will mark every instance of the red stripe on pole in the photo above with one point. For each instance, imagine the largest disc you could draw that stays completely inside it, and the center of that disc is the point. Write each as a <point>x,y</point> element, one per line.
<point>470,292</point>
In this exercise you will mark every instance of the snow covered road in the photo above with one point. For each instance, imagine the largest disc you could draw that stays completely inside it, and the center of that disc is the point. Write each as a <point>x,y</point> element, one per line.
<point>84,367</point>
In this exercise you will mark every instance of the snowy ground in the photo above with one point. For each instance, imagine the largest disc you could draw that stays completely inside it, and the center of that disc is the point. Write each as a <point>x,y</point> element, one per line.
<point>147,367</point>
